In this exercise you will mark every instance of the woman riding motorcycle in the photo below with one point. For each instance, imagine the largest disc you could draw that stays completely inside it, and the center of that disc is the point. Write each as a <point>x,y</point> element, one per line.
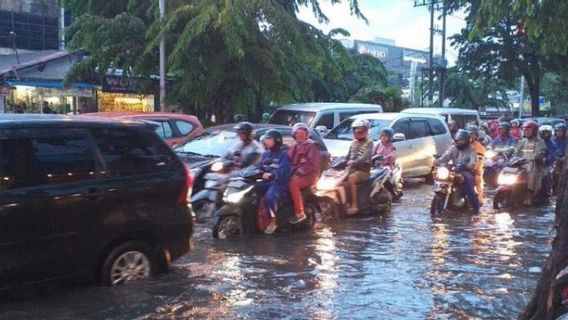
<point>306,167</point>
<point>359,159</point>
<point>533,149</point>
<point>276,167</point>
<point>464,159</point>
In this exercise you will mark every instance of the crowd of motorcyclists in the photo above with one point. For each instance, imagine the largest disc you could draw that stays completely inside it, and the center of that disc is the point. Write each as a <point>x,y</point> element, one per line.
<point>288,172</point>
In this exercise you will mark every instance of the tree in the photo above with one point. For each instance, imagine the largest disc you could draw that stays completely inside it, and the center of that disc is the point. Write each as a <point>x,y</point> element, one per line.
<point>465,91</point>
<point>226,55</point>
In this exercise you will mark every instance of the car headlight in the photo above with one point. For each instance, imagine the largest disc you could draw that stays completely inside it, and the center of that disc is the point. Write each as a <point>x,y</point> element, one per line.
<point>490,154</point>
<point>507,179</point>
<point>217,166</point>
<point>236,197</point>
<point>442,173</point>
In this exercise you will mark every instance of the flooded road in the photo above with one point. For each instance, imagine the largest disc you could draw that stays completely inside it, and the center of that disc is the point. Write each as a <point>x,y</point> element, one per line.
<point>407,265</point>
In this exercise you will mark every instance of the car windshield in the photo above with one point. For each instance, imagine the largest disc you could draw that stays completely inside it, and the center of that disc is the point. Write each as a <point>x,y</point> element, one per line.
<point>210,143</point>
<point>291,117</point>
<point>343,130</point>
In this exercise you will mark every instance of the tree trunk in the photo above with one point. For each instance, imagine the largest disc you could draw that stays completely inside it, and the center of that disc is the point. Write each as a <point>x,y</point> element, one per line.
<point>539,305</point>
<point>534,91</point>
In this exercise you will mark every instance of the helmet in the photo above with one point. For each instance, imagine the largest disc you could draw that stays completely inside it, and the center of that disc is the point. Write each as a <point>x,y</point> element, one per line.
<point>244,127</point>
<point>265,117</point>
<point>388,132</point>
<point>515,122</point>
<point>545,128</point>
<point>505,125</point>
<point>560,126</point>
<point>300,126</point>
<point>472,129</point>
<point>273,134</point>
<point>531,124</point>
<point>463,135</point>
<point>360,123</point>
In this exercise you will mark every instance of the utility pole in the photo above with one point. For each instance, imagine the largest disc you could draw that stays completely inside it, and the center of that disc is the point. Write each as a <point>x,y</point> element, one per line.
<point>522,102</point>
<point>162,8</point>
<point>62,29</point>
<point>443,68</point>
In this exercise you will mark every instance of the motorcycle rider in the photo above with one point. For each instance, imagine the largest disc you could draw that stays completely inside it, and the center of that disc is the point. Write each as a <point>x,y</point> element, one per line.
<point>516,131</point>
<point>276,167</point>
<point>532,148</point>
<point>306,167</point>
<point>545,133</point>
<point>386,148</point>
<point>504,141</point>
<point>464,158</point>
<point>247,151</point>
<point>559,140</point>
<point>358,160</point>
<point>480,152</point>
<point>453,126</point>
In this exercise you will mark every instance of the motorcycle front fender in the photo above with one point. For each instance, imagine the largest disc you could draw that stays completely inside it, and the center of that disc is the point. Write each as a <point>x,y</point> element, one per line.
<point>441,188</point>
<point>225,211</point>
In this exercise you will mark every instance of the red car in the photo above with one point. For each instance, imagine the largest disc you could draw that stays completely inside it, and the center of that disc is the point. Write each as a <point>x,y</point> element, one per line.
<point>174,128</point>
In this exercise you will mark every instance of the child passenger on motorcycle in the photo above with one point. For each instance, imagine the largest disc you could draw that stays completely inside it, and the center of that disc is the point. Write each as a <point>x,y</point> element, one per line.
<point>277,169</point>
<point>464,159</point>
<point>359,160</point>
<point>386,148</point>
<point>306,166</point>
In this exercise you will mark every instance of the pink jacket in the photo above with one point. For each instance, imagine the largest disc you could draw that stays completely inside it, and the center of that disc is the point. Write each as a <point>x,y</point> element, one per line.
<point>388,151</point>
<point>306,161</point>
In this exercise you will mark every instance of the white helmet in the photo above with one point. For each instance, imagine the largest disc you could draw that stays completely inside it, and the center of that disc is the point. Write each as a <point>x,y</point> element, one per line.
<point>360,123</point>
<point>545,127</point>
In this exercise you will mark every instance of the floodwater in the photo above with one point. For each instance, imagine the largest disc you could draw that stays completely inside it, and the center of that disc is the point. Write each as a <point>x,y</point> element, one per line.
<point>407,265</point>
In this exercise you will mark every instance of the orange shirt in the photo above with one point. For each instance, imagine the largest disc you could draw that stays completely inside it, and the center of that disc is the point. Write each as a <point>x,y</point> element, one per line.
<point>480,151</point>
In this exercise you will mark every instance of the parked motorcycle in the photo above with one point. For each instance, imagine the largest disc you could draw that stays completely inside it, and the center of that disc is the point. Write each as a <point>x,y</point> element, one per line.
<point>450,191</point>
<point>332,189</point>
<point>495,161</point>
<point>242,200</point>
<point>512,183</point>
<point>206,201</point>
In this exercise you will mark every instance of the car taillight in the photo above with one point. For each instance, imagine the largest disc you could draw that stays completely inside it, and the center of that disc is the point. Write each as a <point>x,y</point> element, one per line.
<point>187,187</point>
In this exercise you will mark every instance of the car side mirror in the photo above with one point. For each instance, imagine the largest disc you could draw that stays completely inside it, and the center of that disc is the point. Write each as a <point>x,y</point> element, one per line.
<point>322,130</point>
<point>399,137</point>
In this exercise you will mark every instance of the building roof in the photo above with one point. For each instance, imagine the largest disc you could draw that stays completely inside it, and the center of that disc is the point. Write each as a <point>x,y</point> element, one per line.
<point>12,62</point>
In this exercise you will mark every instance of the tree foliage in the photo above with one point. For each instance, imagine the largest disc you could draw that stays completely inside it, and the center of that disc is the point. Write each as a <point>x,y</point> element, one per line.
<point>226,55</point>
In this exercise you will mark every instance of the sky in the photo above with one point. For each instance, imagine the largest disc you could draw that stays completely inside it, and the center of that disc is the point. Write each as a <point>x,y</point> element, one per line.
<point>398,20</point>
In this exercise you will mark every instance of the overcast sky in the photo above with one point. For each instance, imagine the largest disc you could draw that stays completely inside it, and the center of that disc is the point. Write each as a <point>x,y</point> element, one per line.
<point>394,19</point>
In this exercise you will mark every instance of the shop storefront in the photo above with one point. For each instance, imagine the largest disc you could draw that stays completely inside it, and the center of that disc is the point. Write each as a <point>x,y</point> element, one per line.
<point>126,94</point>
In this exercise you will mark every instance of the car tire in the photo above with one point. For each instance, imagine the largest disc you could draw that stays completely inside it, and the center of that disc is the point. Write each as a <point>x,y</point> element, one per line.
<point>129,261</point>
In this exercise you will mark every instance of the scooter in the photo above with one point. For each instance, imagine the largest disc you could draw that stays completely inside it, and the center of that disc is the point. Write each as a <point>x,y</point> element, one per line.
<point>242,200</point>
<point>206,201</point>
<point>449,190</point>
<point>495,161</point>
<point>332,190</point>
<point>512,183</point>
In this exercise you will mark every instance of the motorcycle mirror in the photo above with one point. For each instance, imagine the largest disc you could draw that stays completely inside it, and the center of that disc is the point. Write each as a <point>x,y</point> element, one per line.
<point>322,130</point>
<point>398,137</point>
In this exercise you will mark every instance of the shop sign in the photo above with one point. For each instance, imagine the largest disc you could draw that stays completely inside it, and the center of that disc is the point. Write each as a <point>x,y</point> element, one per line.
<point>126,85</point>
<point>5,91</point>
<point>76,92</point>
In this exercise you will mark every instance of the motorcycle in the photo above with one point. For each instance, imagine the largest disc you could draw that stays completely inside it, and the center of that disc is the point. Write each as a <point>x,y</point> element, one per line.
<point>242,199</point>
<point>512,183</point>
<point>449,189</point>
<point>332,189</point>
<point>207,200</point>
<point>495,161</point>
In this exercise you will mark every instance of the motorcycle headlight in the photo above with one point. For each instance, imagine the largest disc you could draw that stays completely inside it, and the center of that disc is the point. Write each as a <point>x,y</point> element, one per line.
<point>507,179</point>
<point>236,197</point>
<point>442,173</point>
<point>490,154</point>
<point>217,166</point>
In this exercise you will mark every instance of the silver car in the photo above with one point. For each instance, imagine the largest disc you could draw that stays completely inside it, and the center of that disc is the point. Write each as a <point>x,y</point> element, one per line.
<point>417,138</point>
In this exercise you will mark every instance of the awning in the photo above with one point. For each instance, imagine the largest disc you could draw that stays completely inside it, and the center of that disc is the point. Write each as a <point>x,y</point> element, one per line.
<point>52,84</point>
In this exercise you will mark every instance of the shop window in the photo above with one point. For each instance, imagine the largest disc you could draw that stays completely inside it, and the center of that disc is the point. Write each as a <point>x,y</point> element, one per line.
<point>164,130</point>
<point>28,162</point>
<point>184,127</point>
<point>131,152</point>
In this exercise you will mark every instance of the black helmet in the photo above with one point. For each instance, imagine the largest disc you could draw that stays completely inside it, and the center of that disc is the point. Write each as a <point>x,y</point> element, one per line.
<point>388,131</point>
<point>560,126</point>
<point>273,134</point>
<point>504,125</point>
<point>473,129</point>
<point>244,127</point>
<point>463,135</point>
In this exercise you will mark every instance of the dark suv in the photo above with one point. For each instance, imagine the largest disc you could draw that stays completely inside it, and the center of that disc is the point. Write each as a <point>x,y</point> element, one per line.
<point>88,198</point>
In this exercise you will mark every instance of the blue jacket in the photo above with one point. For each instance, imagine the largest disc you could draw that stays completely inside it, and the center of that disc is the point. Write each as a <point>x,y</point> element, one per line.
<point>550,152</point>
<point>559,146</point>
<point>503,143</point>
<point>279,165</point>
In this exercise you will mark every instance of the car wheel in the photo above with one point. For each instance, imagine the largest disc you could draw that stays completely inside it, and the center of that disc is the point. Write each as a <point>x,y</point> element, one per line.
<point>128,262</point>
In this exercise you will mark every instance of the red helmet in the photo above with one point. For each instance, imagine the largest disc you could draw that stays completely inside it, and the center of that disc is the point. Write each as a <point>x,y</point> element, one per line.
<point>530,125</point>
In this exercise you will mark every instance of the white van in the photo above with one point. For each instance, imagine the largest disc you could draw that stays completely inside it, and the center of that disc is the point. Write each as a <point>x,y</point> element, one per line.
<point>463,117</point>
<point>322,116</point>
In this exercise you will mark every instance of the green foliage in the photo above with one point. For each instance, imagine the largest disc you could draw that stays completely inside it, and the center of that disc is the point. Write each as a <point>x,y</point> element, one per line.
<point>554,89</point>
<point>227,56</point>
<point>465,91</point>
